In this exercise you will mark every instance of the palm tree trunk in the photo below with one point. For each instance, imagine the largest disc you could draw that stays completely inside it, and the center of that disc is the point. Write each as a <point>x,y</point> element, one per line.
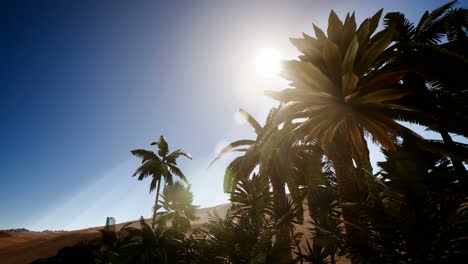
<point>156,203</point>
<point>458,166</point>
<point>280,202</point>
<point>349,188</point>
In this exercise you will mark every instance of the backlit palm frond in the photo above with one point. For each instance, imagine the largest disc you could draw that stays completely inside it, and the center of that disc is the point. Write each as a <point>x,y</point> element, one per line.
<point>176,171</point>
<point>150,167</point>
<point>251,120</point>
<point>240,167</point>
<point>162,145</point>
<point>144,155</point>
<point>232,147</point>
<point>176,154</point>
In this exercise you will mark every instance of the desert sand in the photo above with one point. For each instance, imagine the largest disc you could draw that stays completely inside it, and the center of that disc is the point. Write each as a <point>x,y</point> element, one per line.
<point>22,247</point>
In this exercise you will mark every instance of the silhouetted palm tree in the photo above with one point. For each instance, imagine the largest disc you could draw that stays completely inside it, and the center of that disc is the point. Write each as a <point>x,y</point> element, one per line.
<point>439,36</point>
<point>338,94</point>
<point>253,156</point>
<point>160,167</point>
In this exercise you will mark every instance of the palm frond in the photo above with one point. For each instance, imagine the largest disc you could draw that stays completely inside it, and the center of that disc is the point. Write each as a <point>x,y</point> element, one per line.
<point>249,118</point>
<point>162,145</point>
<point>231,147</point>
<point>144,155</point>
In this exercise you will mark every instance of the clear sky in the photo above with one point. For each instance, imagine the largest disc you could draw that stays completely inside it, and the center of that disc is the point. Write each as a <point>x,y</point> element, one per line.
<point>84,82</point>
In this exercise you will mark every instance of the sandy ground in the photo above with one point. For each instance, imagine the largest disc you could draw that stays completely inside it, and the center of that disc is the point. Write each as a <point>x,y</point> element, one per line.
<point>25,247</point>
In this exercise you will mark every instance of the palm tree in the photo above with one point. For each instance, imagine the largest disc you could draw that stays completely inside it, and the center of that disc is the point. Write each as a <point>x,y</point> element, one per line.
<point>159,166</point>
<point>442,84</point>
<point>246,233</point>
<point>253,156</point>
<point>177,203</point>
<point>339,93</point>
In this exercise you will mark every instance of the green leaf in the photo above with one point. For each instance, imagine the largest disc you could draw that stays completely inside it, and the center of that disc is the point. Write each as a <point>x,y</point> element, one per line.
<point>307,74</point>
<point>311,98</point>
<point>350,56</point>
<point>383,80</point>
<point>308,46</point>
<point>382,95</point>
<point>176,154</point>
<point>374,51</point>
<point>335,27</point>
<point>144,155</point>
<point>349,81</point>
<point>162,145</point>
<point>348,34</point>
<point>332,58</point>
<point>363,33</point>
<point>374,21</point>
<point>319,33</point>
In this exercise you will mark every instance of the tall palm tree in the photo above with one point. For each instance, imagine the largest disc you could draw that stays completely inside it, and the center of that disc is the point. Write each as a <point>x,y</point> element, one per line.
<point>161,166</point>
<point>177,203</point>
<point>339,93</point>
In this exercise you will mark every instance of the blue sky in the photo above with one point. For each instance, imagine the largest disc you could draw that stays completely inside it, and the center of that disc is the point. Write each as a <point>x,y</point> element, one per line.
<point>84,82</point>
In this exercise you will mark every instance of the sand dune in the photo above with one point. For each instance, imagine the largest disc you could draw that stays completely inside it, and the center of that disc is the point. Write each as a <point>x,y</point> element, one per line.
<point>25,247</point>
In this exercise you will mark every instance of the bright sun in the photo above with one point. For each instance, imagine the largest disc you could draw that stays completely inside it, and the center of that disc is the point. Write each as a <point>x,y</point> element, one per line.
<point>268,62</point>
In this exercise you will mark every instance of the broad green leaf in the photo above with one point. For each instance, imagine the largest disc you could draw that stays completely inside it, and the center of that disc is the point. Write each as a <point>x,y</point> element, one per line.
<point>348,82</point>
<point>382,95</point>
<point>319,33</point>
<point>335,27</point>
<point>374,21</point>
<point>306,46</point>
<point>332,58</point>
<point>350,56</point>
<point>363,33</point>
<point>306,96</point>
<point>307,73</point>
<point>349,31</point>
<point>383,80</point>
<point>374,51</point>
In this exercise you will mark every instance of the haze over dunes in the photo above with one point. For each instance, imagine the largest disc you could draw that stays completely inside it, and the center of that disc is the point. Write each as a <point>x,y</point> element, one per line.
<point>21,247</point>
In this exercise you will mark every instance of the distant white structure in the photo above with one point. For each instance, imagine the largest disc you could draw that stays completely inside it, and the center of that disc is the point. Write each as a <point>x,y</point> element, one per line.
<point>110,224</point>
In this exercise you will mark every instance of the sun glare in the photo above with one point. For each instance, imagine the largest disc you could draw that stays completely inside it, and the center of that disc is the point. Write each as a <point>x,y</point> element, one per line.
<point>240,120</point>
<point>268,62</point>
